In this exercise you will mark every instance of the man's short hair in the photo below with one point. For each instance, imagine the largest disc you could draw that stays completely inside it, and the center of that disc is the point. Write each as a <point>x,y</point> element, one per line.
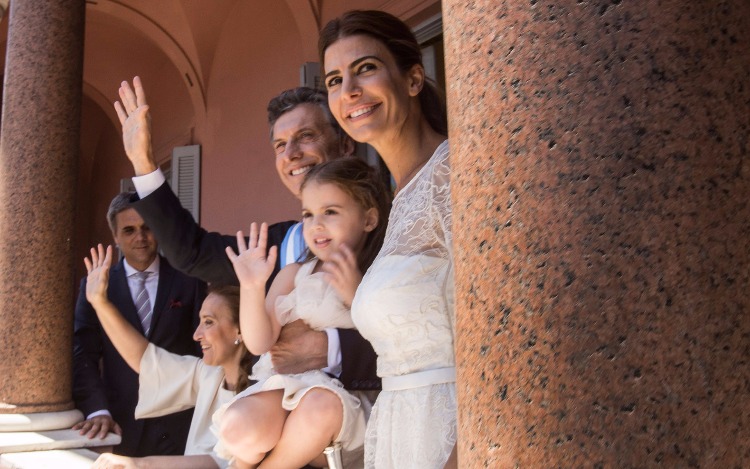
<point>121,202</point>
<point>290,99</point>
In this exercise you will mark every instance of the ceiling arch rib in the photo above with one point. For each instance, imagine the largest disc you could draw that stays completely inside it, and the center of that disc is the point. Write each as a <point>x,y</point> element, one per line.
<point>171,48</point>
<point>307,17</point>
<point>102,101</point>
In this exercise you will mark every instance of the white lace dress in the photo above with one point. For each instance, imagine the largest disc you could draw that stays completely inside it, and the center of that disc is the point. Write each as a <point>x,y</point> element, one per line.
<point>404,307</point>
<point>314,301</point>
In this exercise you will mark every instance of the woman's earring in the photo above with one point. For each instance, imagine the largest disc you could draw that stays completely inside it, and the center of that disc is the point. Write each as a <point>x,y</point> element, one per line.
<point>237,341</point>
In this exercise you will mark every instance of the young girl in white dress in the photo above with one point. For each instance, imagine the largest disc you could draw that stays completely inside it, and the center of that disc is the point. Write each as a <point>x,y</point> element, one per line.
<point>288,420</point>
<point>378,92</point>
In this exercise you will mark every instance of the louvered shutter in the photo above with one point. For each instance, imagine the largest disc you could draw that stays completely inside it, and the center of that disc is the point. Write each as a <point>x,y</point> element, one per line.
<point>186,168</point>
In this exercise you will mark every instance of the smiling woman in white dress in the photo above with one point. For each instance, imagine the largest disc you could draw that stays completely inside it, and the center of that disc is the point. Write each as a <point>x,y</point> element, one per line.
<point>404,306</point>
<point>169,382</point>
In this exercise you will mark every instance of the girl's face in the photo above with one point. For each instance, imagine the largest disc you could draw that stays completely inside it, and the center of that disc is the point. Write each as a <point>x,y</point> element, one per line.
<point>367,93</point>
<point>330,218</point>
<point>217,332</point>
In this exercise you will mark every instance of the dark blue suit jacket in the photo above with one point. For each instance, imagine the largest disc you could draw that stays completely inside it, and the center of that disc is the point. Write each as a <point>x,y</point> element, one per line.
<point>102,379</point>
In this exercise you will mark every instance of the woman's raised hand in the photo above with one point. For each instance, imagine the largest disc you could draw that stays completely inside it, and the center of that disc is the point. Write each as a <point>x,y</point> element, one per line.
<point>251,264</point>
<point>98,274</point>
<point>343,274</point>
<point>135,119</point>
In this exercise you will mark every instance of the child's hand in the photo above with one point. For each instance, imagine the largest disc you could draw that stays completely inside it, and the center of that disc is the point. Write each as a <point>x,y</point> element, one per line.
<point>343,273</point>
<point>98,274</point>
<point>252,266</point>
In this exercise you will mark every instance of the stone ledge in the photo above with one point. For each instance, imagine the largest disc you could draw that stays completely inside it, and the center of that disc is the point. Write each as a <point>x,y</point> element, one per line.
<point>68,459</point>
<point>16,442</point>
<point>41,421</point>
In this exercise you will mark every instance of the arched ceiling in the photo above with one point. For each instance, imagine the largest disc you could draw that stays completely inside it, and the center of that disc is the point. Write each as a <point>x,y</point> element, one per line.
<point>122,41</point>
<point>307,16</point>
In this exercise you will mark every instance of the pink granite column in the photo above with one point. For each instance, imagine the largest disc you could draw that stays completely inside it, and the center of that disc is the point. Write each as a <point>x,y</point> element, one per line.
<point>38,152</point>
<point>601,184</point>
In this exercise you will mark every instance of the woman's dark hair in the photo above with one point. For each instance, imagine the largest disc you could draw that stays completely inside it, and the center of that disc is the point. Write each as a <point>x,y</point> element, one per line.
<point>401,43</point>
<point>363,184</point>
<point>231,296</point>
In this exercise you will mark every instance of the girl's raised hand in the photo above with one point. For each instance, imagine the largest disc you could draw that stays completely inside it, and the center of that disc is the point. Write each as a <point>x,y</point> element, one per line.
<point>343,274</point>
<point>98,274</point>
<point>251,264</point>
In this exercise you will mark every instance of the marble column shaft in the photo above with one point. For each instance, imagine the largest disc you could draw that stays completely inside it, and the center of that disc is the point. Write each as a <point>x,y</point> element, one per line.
<point>601,181</point>
<point>39,144</point>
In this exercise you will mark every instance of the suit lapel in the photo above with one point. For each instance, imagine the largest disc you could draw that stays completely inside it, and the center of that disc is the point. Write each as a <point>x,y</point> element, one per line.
<point>163,292</point>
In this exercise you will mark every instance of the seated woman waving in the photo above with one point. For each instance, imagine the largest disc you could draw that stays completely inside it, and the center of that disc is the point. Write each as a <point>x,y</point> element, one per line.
<point>170,382</point>
<point>285,421</point>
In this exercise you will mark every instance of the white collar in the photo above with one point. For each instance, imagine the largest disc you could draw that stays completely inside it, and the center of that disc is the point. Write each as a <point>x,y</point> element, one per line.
<point>153,268</point>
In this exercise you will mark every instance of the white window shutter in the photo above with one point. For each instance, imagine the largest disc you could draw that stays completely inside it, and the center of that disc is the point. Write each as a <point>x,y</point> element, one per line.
<point>309,75</point>
<point>186,168</point>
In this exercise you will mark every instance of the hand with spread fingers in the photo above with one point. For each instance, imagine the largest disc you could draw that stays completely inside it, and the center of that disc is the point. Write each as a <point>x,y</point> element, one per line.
<point>251,264</point>
<point>98,426</point>
<point>98,274</point>
<point>135,119</point>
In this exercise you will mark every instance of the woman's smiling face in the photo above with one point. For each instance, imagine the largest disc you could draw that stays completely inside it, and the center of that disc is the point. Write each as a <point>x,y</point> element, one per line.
<point>367,93</point>
<point>217,332</point>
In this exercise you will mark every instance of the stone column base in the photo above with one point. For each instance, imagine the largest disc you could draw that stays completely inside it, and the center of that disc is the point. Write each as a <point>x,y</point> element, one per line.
<point>69,459</point>
<point>45,440</point>
<point>41,421</point>
<point>18,442</point>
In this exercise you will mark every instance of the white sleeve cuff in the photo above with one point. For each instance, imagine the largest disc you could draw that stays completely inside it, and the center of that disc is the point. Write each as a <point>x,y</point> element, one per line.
<point>334,353</point>
<point>148,183</point>
<point>98,413</point>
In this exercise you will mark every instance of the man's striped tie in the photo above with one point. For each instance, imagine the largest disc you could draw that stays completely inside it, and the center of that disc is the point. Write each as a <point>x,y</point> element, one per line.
<point>142,303</point>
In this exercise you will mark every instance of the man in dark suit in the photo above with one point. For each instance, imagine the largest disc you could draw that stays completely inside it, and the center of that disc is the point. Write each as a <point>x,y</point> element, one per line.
<point>160,302</point>
<point>303,134</point>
